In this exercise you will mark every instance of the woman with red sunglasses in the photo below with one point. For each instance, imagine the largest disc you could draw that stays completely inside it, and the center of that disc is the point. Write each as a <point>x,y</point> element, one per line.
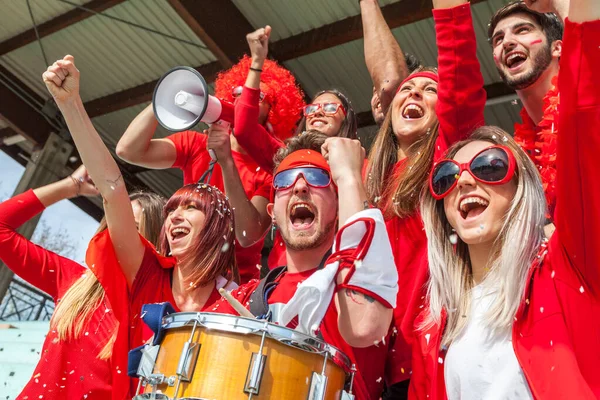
<point>428,113</point>
<point>506,313</point>
<point>330,111</point>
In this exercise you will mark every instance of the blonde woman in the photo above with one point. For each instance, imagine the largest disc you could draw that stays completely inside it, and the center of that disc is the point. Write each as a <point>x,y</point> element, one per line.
<point>75,359</point>
<point>507,314</point>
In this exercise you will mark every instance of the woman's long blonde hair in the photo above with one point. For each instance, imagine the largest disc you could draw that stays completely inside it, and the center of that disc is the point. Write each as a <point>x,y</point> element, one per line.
<point>397,194</point>
<point>74,311</point>
<point>515,248</point>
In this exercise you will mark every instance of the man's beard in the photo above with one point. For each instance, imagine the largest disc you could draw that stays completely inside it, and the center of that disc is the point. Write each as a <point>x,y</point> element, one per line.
<point>300,243</point>
<point>540,63</point>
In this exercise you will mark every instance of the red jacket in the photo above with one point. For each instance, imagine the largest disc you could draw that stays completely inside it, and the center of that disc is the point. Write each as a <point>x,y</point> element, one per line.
<point>461,100</point>
<point>556,335</point>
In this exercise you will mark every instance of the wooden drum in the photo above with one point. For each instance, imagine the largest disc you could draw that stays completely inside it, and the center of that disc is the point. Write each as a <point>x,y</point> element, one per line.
<point>225,357</point>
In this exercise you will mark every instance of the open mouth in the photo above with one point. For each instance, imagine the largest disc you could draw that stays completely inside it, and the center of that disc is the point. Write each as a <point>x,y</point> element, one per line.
<point>413,111</point>
<point>515,59</point>
<point>302,215</point>
<point>472,207</point>
<point>179,233</point>
<point>318,123</point>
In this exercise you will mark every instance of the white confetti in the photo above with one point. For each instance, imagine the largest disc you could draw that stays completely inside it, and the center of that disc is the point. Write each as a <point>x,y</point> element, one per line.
<point>379,379</point>
<point>440,360</point>
<point>244,233</point>
<point>427,336</point>
<point>225,247</point>
<point>541,309</point>
<point>581,289</point>
<point>553,274</point>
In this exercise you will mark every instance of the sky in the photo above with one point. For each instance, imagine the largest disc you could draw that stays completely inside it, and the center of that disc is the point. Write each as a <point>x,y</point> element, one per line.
<point>63,215</point>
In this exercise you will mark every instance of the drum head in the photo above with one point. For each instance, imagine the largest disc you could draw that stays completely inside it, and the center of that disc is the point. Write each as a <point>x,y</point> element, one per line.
<point>248,326</point>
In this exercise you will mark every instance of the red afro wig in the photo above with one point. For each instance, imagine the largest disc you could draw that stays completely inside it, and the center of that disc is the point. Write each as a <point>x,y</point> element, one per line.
<point>285,97</point>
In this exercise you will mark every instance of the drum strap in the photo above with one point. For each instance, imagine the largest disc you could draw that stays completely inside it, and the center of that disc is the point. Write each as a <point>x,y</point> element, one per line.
<point>259,299</point>
<point>152,315</point>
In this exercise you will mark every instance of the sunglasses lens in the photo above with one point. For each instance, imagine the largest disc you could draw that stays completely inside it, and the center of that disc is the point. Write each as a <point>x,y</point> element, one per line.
<point>330,108</point>
<point>311,109</point>
<point>285,179</point>
<point>443,177</point>
<point>491,165</point>
<point>315,177</point>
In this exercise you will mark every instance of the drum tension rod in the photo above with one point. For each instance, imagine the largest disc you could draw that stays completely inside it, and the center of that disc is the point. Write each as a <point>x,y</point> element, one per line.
<point>256,367</point>
<point>187,360</point>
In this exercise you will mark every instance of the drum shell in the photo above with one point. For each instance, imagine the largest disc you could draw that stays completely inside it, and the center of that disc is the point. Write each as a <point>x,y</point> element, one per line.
<point>224,362</point>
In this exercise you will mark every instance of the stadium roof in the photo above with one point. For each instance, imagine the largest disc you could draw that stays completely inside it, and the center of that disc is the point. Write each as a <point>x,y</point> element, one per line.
<point>122,47</point>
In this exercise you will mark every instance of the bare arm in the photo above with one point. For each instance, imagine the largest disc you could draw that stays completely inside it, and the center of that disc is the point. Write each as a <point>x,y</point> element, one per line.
<point>136,146</point>
<point>62,81</point>
<point>362,320</point>
<point>251,218</point>
<point>584,10</point>
<point>383,55</point>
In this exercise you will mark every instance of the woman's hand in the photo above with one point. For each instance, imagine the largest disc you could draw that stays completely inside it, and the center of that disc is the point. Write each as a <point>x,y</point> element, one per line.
<point>84,184</point>
<point>258,42</point>
<point>62,80</point>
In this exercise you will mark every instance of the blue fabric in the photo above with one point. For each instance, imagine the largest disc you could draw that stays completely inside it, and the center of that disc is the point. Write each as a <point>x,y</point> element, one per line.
<point>133,361</point>
<point>152,315</point>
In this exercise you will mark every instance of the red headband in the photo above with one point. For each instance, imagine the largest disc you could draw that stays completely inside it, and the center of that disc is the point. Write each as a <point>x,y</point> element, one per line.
<point>303,158</point>
<point>424,74</point>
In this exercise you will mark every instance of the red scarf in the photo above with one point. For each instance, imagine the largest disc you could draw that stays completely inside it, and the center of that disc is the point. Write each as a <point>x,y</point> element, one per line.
<point>540,142</point>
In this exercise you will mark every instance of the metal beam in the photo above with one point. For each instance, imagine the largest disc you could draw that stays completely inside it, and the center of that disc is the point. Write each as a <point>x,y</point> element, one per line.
<point>17,109</point>
<point>346,30</point>
<point>56,24</point>
<point>139,94</point>
<point>205,18</point>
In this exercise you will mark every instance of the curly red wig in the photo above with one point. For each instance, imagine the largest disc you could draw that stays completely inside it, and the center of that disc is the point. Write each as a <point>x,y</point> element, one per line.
<point>285,97</point>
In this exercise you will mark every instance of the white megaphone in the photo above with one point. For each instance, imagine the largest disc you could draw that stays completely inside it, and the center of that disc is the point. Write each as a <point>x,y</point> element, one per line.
<point>181,100</point>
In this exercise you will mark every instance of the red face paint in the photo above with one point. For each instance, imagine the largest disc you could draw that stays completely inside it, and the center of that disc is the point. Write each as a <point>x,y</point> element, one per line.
<point>536,42</point>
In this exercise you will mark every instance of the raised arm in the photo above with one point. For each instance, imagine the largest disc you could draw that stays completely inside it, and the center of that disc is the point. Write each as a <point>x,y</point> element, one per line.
<point>62,81</point>
<point>363,300</point>
<point>137,146</point>
<point>251,218</point>
<point>461,97</point>
<point>252,136</point>
<point>577,214</point>
<point>38,266</point>
<point>383,55</point>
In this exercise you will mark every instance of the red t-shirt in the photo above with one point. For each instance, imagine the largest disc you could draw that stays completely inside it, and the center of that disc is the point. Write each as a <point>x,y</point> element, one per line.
<point>152,284</point>
<point>369,361</point>
<point>193,160</point>
<point>66,370</point>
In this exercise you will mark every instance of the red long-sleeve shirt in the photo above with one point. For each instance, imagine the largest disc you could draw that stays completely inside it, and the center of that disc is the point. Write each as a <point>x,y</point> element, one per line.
<point>459,108</point>
<point>252,136</point>
<point>66,370</point>
<point>556,334</point>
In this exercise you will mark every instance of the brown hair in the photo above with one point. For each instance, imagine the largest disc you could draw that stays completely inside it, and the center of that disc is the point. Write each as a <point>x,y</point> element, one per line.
<point>213,253</point>
<point>551,25</point>
<point>309,140</point>
<point>349,126</point>
<point>397,193</point>
<point>74,311</point>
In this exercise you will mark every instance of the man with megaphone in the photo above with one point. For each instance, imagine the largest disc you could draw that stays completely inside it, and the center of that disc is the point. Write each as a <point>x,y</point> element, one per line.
<point>180,101</point>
